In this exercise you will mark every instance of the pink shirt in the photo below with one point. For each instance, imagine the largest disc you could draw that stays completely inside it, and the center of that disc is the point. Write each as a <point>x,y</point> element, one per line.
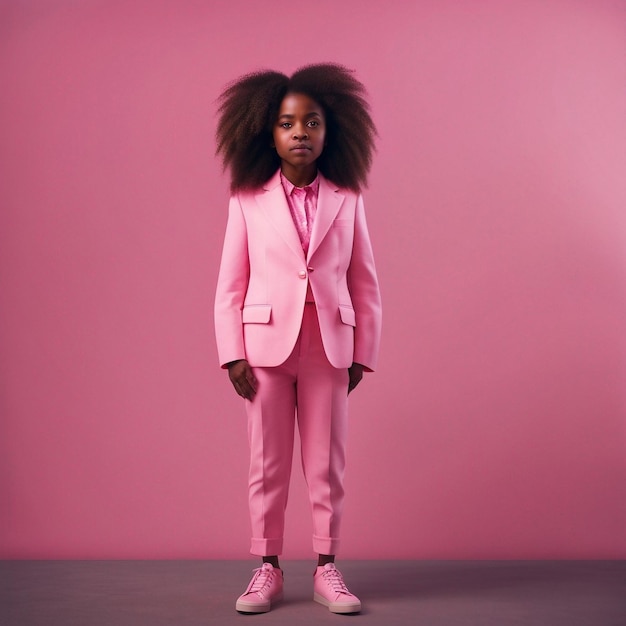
<point>303,206</point>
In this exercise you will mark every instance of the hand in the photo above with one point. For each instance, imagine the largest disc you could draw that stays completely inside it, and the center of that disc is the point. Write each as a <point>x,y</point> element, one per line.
<point>242,378</point>
<point>356,373</point>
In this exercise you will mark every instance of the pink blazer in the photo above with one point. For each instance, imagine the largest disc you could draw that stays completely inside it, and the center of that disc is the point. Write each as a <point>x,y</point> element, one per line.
<point>263,277</point>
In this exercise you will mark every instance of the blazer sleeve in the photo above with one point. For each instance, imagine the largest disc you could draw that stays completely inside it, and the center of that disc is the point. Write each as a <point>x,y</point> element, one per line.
<point>232,284</point>
<point>365,294</point>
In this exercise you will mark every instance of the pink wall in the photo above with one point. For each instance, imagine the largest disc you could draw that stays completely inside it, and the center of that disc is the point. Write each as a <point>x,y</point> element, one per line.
<point>495,427</point>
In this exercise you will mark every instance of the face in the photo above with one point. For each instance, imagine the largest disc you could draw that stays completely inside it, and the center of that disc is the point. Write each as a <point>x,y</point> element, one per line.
<point>299,134</point>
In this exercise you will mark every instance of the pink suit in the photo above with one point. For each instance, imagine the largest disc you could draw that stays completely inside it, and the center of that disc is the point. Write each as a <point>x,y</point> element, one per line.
<point>299,351</point>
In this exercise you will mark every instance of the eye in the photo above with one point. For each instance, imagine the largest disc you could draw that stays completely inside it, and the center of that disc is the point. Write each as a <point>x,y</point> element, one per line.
<point>313,123</point>
<point>286,125</point>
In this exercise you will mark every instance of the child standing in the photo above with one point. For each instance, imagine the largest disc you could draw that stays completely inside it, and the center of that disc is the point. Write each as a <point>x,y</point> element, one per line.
<point>297,309</point>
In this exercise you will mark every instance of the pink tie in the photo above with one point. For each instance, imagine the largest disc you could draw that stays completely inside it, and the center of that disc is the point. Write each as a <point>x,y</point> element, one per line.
<point>304,211</point>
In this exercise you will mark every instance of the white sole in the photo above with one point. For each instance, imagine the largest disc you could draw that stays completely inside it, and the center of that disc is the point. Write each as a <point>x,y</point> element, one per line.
<point>338,608</point>
<point>244,607</point>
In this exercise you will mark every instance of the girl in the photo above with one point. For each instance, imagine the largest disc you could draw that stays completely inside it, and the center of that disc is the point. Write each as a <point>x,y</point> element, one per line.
<point>297,309</point>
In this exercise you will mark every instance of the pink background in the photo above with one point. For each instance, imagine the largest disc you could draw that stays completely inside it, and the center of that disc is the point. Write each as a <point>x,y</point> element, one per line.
<point>495,426</point>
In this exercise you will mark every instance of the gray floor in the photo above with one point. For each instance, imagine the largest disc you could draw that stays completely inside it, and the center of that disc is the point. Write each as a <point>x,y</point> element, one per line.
<point>432,593</point>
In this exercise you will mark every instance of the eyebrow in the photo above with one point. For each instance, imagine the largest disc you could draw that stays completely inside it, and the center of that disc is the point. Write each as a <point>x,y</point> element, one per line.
<point>289,116</point>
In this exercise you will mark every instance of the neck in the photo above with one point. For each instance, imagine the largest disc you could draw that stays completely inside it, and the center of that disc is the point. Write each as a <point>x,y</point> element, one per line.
<point>299,177</point>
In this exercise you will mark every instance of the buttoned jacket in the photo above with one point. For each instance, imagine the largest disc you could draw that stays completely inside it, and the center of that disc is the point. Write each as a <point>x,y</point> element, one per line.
<point>264,274</point>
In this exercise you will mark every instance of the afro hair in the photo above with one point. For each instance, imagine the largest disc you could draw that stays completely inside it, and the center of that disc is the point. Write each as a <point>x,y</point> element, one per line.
<point>248,109</point>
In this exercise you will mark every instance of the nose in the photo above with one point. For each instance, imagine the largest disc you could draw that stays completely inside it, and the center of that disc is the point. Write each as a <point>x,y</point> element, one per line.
<point>300,133</point>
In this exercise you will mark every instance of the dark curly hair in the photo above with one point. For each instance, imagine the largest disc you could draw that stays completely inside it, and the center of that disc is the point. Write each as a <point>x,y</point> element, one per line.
<point>248,110</point>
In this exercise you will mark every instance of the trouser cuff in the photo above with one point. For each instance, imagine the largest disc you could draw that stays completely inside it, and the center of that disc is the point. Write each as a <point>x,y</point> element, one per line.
<point>325,545</point>
<point>266,547</point>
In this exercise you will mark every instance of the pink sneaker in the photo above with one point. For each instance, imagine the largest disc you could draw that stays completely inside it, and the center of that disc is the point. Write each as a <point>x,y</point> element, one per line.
<point>330,590</point>
<point>265,588</point>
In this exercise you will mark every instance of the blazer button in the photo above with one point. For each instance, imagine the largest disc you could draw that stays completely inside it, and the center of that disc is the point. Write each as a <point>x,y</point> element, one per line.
<point>302,274</point>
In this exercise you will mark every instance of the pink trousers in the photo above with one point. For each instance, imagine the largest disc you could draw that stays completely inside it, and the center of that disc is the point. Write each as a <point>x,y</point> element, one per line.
<point>306,388</point>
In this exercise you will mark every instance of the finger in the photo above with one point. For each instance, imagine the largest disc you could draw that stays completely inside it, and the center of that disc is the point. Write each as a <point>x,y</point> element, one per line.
<point>353,383</point>
<point>250,379</point>
<point>248,391</point>
<point>240,387</point>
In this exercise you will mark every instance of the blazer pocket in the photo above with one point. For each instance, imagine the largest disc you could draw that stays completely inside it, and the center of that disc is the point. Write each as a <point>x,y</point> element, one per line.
<point>347,315</point>
<point>256,314</point>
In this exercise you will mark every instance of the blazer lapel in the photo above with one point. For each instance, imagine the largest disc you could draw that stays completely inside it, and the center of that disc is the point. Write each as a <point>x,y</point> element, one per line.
<point>274,204</point>
<point>329,202</point>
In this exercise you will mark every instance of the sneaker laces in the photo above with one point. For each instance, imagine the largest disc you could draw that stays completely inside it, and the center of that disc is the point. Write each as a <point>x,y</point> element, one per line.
<point>262,579</point>
<point>335,580</point>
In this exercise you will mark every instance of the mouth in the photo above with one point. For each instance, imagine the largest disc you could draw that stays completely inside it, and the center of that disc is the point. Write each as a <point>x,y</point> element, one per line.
<point>300,146</point>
